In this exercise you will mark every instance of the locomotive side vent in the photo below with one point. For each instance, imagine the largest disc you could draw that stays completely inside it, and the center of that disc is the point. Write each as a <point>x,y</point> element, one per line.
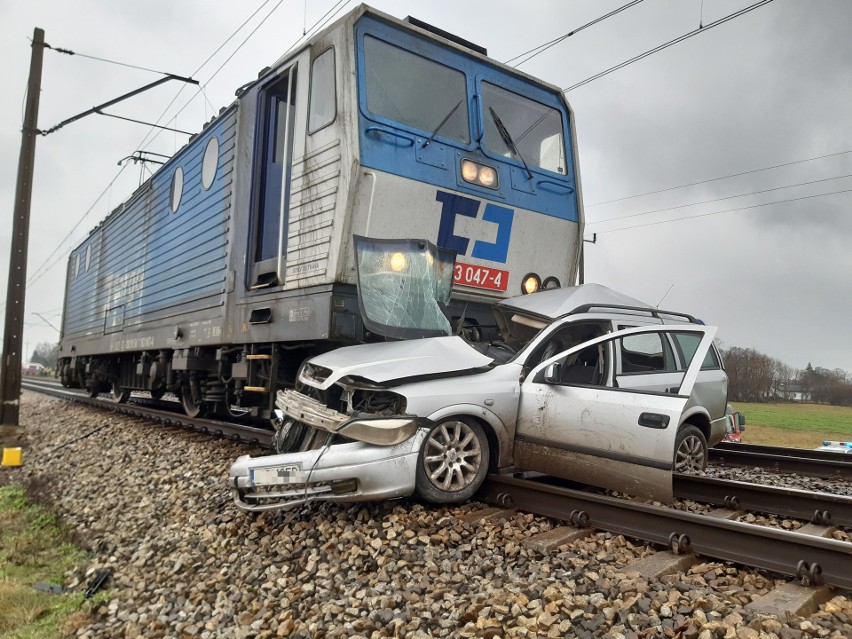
<point>260,316</point>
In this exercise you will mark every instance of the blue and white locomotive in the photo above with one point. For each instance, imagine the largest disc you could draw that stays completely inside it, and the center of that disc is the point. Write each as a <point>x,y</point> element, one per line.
<point>235,261</point>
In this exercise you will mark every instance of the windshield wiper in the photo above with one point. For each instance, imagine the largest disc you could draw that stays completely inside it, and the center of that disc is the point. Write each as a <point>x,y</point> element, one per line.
<point>507,139</point>
<point>442,123</point>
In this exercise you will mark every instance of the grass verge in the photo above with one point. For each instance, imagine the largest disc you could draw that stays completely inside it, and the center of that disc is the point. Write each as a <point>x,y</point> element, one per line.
<point>34,547</point>
<point>795,425</point>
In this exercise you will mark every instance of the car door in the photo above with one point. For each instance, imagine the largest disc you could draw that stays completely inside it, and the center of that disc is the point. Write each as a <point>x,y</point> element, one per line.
<point>577,424</point>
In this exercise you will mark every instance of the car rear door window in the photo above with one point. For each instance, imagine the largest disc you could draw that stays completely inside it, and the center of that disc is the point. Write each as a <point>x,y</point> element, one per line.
<point>687,343</point>
<point>647,353</point>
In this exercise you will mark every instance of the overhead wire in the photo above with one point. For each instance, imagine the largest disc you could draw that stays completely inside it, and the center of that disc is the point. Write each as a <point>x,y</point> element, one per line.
<point>215,73</point>
<point>317,26</point>
<point>711,213</point>
<point>106,60</point>
<point>718,199</point>
<point>42,268</point>
<point>145,140</point>
<point>547,45</point>
<point>681,38</point>
<point>45,267</point>
<point>715,179</point>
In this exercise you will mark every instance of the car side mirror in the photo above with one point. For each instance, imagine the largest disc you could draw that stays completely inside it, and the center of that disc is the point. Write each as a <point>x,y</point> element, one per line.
<point>741,419</point>
<point>552,373</point>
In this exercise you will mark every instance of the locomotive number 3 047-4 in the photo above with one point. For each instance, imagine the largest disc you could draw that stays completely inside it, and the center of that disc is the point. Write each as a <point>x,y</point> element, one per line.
<point>480,277</point>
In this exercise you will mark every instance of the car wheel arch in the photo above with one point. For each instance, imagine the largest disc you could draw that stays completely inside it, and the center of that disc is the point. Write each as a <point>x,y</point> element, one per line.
<point>499,437</point>
<point>698,418</point>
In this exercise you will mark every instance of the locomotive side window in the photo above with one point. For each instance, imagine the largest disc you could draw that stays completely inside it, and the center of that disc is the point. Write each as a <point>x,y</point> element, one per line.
<point>421,93</point>
<point>276,156</point>
<point>176,191</point>
<point>323,99</point>
<point>210,163</point>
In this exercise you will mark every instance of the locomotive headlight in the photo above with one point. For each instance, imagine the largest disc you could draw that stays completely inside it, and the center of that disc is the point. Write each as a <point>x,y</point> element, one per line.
<point>550,283</point>
<point>488,177</point>
<point>480,174</point>
<point>398,262</point>
<point>531,283</point>
<point>470,171</point>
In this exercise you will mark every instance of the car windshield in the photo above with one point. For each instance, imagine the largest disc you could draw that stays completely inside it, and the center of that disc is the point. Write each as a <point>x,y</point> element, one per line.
<point>404,287</point>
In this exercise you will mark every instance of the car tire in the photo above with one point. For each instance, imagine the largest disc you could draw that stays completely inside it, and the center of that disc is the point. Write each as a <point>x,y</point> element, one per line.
<point>690,454</point>
<point>453,461</point>
<point>289,436</point>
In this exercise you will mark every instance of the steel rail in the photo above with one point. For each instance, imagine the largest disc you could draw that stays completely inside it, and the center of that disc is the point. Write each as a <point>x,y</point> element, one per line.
<point>786,460</point>
<point>781,450</point>
<point>808,557</point>
<point>234,432</point>
<point>816,507</point>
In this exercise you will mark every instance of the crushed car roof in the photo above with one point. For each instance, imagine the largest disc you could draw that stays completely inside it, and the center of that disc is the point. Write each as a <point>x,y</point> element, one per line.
<point>563,301</point>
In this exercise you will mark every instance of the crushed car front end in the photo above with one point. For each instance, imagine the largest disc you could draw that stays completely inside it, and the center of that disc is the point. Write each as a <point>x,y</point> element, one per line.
<point>365,457</point>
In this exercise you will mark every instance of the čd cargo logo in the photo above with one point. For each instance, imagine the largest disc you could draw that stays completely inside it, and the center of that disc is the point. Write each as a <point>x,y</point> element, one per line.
<point>471,274</point>
<point>455,205</point>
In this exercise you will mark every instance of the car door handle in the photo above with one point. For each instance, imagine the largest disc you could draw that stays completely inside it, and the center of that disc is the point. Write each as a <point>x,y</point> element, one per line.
<point>654,420</point>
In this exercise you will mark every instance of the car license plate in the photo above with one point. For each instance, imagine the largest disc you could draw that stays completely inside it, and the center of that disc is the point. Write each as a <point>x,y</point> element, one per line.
<point>277,475</point>
<point>480,277</point>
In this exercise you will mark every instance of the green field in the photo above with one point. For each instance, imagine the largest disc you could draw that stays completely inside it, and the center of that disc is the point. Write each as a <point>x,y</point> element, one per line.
<point>795,425</point>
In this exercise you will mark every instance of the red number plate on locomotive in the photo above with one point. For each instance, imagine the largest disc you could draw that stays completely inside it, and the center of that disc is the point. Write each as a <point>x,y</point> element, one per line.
<point>480,277</point>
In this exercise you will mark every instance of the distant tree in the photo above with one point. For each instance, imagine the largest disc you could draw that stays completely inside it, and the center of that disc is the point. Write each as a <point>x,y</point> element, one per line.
<point>755,377</point>
<point>46,354</point>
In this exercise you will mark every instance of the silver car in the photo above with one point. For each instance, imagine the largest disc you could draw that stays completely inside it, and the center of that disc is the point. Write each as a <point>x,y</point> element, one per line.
<point>587,384</point>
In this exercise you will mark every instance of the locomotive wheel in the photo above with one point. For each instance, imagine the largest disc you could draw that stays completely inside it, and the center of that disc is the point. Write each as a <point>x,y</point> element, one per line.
<point>158,393</point>
<point>92,391</point>
<point>120,394</point>
<point>191,407</point>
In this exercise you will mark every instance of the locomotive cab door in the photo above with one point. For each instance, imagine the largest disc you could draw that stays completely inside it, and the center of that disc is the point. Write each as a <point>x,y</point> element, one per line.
<point>279,137</point>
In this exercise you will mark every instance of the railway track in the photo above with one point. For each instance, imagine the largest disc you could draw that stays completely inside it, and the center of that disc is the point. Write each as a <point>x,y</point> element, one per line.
<point>814,463</point>
<point>160,411</point>
<point>809,557</point>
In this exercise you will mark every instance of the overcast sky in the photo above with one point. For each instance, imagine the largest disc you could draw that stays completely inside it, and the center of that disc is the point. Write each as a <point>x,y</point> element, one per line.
<point>771,87</point>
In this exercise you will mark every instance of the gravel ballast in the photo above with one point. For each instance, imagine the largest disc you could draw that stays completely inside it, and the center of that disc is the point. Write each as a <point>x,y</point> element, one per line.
<point>152,505</point>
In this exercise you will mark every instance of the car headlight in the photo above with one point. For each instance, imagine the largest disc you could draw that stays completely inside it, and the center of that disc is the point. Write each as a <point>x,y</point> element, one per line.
<point>381,431</point>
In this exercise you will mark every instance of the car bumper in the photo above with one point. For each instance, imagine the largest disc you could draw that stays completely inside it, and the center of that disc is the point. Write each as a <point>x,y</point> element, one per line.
<point>717,430</point>
<point>349,472</point>
<point>382,430</point>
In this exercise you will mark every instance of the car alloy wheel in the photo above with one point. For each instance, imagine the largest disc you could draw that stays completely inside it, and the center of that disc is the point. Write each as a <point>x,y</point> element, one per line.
<point>453,461</point>
<point>691,451</point>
